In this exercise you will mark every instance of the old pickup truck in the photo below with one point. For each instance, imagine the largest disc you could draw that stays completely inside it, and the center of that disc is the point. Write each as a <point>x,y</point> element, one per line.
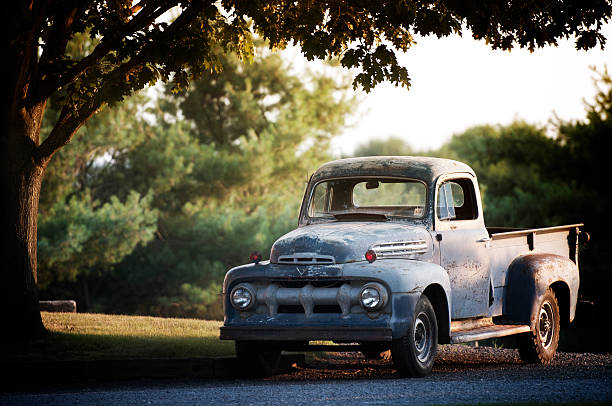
<point>393,253</point>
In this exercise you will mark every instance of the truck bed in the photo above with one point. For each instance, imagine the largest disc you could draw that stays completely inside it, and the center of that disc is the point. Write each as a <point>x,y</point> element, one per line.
<point>508,243</point>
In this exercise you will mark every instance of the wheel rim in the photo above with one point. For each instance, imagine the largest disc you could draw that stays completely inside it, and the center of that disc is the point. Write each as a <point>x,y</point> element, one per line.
<point>422,337</point>
<point>546,324</point>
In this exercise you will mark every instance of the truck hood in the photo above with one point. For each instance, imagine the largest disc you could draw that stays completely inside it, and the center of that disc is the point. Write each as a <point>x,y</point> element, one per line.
<point>343,242</point>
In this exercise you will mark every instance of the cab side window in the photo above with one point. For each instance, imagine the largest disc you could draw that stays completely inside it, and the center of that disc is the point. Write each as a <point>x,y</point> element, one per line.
<point>456,200</point>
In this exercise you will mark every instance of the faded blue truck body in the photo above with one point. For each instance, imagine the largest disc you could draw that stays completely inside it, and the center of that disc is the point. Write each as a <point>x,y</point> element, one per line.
<point>310,287</point>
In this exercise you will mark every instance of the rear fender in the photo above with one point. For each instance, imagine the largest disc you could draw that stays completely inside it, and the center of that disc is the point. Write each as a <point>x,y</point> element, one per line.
<point>527,280</point>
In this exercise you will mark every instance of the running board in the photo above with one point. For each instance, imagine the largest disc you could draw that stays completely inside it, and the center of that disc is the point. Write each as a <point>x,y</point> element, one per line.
<point>485,332</point>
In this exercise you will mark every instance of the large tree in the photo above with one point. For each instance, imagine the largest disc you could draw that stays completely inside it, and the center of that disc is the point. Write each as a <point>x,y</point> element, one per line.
<point>137,44</point>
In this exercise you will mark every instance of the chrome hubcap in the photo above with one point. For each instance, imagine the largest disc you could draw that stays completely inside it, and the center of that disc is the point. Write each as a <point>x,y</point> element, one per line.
<point>546,324</point>
<point>422,337</point>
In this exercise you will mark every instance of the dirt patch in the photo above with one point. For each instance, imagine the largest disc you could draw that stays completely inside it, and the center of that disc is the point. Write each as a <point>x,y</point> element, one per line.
<point>451,359</point>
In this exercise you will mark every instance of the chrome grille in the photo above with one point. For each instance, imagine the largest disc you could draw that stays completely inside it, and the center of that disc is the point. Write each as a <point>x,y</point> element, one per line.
<point>306,258</point>
<point>400,249</point>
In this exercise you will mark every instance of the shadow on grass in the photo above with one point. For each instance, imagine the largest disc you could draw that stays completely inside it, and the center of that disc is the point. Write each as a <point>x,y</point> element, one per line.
<point>58,346</point>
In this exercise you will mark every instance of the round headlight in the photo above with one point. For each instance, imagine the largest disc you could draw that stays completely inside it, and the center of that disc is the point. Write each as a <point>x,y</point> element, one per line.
<point>242,297</point>
<point>370,298</point>
<point>373,296</point>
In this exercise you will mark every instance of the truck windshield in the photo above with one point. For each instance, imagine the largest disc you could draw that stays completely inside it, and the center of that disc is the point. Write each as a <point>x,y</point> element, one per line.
<point>380,197</point>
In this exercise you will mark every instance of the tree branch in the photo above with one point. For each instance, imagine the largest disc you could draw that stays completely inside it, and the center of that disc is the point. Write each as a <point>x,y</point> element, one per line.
<point>24,56</point>
<point>143,19</point>
<point>64,130</point>
<point>57,37</point>
<point>69,122</point>
<point>60,31</point>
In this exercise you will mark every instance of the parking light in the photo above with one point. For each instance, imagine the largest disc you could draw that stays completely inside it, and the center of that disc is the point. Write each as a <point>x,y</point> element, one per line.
<point>370,256</point>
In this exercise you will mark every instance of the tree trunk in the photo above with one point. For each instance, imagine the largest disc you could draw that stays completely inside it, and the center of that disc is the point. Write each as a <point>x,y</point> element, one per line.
<point>21,176</point>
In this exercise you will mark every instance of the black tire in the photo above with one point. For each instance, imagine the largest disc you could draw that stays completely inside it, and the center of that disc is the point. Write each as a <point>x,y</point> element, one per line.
<point>414,354</point>
<point>539,346</point>
<point>258,358</point>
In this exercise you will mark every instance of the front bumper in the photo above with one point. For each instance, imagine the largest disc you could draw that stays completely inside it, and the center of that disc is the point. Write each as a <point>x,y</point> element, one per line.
<point>293,333</point>
<point>355,328</point>
<point>292,313</point>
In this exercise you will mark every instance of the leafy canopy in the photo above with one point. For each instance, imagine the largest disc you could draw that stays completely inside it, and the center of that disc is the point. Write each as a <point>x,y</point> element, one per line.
<point>139,42</point>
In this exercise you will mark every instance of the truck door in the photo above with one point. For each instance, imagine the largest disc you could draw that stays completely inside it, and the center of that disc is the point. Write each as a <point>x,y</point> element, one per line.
<point>463,240</point>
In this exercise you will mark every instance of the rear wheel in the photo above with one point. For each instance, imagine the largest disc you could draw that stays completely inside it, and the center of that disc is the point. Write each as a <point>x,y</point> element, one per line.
<point>259,358</point>
<point>414,353</point>
<point>540,345</point>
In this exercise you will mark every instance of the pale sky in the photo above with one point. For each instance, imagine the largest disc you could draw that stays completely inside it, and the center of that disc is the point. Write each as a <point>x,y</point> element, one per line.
<point>459,82</point>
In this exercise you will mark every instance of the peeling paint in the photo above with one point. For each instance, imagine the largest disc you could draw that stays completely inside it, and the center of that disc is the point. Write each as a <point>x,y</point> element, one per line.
<point>348,242</point>
<point>416,289</point>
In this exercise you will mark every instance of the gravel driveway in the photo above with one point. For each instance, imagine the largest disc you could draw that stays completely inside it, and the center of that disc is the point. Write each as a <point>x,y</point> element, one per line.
<point>462,374</point>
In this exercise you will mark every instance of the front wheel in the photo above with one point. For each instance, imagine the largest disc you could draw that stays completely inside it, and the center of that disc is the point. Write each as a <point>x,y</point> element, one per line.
<point>540,345</point>
<point>259,358</point>
<point>414,353</point>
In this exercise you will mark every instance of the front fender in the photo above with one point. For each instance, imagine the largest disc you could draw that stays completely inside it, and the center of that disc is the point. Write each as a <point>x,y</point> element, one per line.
<point>407,280</point>
<point>401,275</point>
<point>529,277</point>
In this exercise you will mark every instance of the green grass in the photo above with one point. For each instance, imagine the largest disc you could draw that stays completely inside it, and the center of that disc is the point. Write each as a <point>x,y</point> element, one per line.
<point>84,336</point>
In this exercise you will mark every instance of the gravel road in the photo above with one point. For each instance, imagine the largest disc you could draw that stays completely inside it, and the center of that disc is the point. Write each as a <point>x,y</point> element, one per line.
<point>462,374</point>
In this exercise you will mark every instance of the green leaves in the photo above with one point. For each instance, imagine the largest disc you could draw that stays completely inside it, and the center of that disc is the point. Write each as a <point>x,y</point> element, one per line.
<point>84,236</point>
<point>378,66</point>
<point>130,46</point>
<point>125,46</point>
<point>355,31</point>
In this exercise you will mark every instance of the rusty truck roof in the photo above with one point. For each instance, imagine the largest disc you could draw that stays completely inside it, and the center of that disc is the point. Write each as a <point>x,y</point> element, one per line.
<point>418,167</point>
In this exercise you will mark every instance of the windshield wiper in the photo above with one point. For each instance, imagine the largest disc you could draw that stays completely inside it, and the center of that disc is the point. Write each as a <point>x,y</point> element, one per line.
<point>361,216</point>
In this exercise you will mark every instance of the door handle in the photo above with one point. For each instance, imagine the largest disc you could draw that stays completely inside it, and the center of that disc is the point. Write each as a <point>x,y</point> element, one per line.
<point>484,239</point>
